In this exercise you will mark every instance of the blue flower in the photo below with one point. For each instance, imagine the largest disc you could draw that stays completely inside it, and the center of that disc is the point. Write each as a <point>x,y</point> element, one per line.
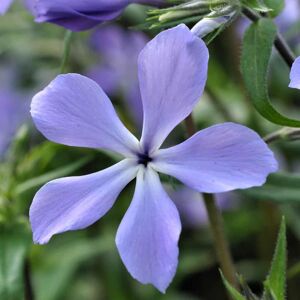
<point>74,110</point>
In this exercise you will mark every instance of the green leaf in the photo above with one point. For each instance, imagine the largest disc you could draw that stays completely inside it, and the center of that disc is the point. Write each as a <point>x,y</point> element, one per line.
<point>280,187</point>
<point>14,243</point>
<point>55,272</point>
<point>60,172</point>
<point>256,53</point>
<point>276,7</point>
<point>231,290</point>
<point>276,281</point>
<point>258,5</point>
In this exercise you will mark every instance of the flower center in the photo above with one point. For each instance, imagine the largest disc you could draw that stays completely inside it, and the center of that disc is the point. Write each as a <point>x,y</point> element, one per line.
<point>144,159</point>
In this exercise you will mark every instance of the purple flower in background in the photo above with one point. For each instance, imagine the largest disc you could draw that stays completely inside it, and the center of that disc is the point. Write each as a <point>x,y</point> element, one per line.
<point>290,14</point>
<point>191,207</point>
<point>12,114</point>
<point>78,15</point>
<point>117,72</point>
<point>74,110</point>
<point>4,6</point>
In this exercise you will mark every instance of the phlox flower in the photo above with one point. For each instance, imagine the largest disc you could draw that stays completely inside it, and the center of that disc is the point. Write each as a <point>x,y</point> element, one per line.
<point>116,72</point>
<point>74,110</point>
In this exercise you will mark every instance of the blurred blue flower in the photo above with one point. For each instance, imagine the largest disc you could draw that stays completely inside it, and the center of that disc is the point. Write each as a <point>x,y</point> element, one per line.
<point>117,71</point>
<point>74,110</point>
<point>4,6</point>
<point>290,15</point>
<point>12,114</point>
<point>191,207</point>
<point>78,15</point>
<point>14,108</point>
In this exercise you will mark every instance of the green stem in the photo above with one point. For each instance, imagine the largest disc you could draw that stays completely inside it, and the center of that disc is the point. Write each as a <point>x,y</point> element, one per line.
<point>283,134</point>
<point>29,295</point>
<point>217,227</point>
<point>221,243</point>
<point>67,49</point>
<point>218,104</point>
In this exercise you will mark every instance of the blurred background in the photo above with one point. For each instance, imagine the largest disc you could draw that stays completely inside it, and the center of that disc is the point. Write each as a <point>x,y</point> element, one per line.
<point>85,264</point>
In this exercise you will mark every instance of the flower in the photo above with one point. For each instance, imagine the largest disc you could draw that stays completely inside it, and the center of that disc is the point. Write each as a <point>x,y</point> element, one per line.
<point>117,72</point>
<point>74,110</point>
<point>78,15</point>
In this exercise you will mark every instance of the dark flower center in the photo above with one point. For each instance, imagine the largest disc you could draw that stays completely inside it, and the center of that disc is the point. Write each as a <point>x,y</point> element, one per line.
<point>144,159</point>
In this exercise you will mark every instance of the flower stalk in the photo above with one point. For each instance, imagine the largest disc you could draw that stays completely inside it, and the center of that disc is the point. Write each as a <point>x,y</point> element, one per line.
<point>66,51</point>
<point>29,294</point>
<point>217,226</point>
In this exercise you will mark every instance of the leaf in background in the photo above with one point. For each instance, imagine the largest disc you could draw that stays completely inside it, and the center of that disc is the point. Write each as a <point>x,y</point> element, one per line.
<point>276,7</point>
<point>60,172</point>
<point>231,290</point>
<point>257,49</point>
<point>280,187</point>
<point>59,262</point>
<point>15,240</point>
<point>275,283</point>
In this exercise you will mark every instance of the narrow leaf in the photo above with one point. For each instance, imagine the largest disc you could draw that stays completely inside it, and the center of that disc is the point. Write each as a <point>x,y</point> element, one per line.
<point>60,172</point>
<point>231,290</point>
<point>14,242</point>
<point>280,187</point>
<point>256,53</point>
<point>276,281</point>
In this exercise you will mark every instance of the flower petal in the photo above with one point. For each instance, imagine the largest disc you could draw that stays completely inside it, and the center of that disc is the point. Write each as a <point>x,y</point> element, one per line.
<point>295,74</point>
<point>218,159</point>
<point>148,234</point>
<point>73,203</point>
<point>172,74</point>
<point>73,110</point>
